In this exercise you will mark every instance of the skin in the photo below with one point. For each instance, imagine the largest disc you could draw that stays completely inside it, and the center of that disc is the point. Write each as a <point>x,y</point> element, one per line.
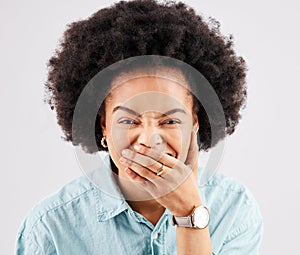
<point>140,139</point>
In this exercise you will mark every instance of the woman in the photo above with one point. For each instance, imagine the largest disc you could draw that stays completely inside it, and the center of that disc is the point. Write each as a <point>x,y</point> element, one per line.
<point>145,197</point>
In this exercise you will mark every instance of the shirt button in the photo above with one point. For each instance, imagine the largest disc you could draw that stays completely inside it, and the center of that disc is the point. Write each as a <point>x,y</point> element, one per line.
<point>155,235</point>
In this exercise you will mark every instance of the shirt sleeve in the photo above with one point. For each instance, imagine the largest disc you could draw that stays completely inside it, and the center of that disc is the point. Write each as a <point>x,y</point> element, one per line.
<point>245,240</point>
<point>24,246</point>
<point>34,239</point>
<point>237,222</point>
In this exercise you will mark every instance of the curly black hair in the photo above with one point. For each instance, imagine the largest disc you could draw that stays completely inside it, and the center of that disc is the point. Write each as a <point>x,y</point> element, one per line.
<point>145,27</point>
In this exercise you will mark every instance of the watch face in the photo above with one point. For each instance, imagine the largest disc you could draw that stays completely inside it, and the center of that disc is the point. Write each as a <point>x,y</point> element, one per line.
<point>201,217</point>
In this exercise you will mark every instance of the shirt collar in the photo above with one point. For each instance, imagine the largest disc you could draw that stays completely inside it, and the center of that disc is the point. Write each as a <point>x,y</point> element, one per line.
<point>109,198</point>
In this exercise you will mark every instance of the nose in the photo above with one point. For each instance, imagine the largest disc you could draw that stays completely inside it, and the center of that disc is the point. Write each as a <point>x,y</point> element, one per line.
<point>149,138</point>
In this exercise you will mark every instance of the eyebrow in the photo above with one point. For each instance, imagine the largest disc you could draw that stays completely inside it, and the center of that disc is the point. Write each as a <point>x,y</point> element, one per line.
<point>139,115</point>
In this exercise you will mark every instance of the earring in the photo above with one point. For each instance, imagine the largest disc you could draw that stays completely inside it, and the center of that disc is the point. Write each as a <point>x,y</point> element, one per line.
<point>103,142</point>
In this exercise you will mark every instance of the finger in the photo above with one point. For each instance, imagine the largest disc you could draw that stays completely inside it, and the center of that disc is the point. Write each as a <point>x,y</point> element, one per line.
<point>173,175</point>
<point>192,158</point>
<point>156,155</point>
<point>142,160</point>
<point>156,187</point>
<point>133,175</point>
<point>141,170</point>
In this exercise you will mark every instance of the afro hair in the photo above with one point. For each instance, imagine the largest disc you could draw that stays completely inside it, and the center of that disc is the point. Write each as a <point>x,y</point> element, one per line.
<point>145,27</point>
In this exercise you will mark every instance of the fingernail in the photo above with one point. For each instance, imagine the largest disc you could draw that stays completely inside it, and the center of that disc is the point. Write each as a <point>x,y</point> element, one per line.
<point>137,147</point>
<point>124,152</point>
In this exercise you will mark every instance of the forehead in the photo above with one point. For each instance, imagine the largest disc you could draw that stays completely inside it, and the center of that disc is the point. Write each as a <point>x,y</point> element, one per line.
<point>158,89</point>
<point>169,73</point>
<point>150,94</point>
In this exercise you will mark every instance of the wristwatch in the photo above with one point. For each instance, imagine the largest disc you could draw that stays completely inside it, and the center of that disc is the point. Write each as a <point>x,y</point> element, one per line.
<point>198,219</point>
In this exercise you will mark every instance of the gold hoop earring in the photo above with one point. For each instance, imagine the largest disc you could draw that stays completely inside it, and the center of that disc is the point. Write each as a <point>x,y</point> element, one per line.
<point>103,142</point>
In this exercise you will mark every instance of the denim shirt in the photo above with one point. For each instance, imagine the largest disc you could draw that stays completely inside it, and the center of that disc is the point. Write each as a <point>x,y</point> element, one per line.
<point>81,219</point>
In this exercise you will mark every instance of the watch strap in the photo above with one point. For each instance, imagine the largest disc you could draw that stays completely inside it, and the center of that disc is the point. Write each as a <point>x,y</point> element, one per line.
<point>183,221</point>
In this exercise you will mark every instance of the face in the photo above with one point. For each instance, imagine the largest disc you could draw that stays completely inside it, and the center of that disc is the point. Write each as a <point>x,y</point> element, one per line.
<point>152,111</point>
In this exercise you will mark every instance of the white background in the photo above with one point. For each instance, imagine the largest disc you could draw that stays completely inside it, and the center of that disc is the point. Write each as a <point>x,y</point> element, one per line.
<point>262,153</point>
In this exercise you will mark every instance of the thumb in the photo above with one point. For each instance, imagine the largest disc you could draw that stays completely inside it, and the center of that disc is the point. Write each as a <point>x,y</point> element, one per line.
<point>192,157</point>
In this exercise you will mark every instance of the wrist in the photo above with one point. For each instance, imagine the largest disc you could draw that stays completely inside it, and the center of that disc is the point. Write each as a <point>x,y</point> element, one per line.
<point>198,218</point>
<point>186,210</point>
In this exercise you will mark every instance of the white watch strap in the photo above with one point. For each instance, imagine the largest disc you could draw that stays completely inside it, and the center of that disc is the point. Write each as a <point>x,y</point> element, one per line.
<point>183,221</point>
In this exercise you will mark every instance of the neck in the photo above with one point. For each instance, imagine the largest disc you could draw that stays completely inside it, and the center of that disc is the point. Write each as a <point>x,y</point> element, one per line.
<point>150,209</point>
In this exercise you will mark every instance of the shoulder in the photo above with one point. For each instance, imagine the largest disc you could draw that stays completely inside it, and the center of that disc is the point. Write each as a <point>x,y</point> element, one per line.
<point>225,188</point>
<point>78,188</point>
<point>228,195</point>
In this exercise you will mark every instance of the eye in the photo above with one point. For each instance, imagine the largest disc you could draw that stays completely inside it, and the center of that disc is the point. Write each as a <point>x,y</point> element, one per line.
<point>171,122</point>
<point>128,122</point>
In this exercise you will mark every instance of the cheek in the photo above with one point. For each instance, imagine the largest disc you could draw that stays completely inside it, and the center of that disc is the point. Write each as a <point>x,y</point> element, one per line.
<point>116,144</point>
<point>119,140</point>
<point>184,142</point>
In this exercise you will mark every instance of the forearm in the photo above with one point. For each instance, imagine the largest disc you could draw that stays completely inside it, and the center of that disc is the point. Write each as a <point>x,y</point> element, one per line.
<point>193,241</point>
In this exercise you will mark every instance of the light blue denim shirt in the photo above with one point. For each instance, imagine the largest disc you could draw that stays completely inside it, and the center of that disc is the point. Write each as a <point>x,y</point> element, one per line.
<point>81,219</point>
